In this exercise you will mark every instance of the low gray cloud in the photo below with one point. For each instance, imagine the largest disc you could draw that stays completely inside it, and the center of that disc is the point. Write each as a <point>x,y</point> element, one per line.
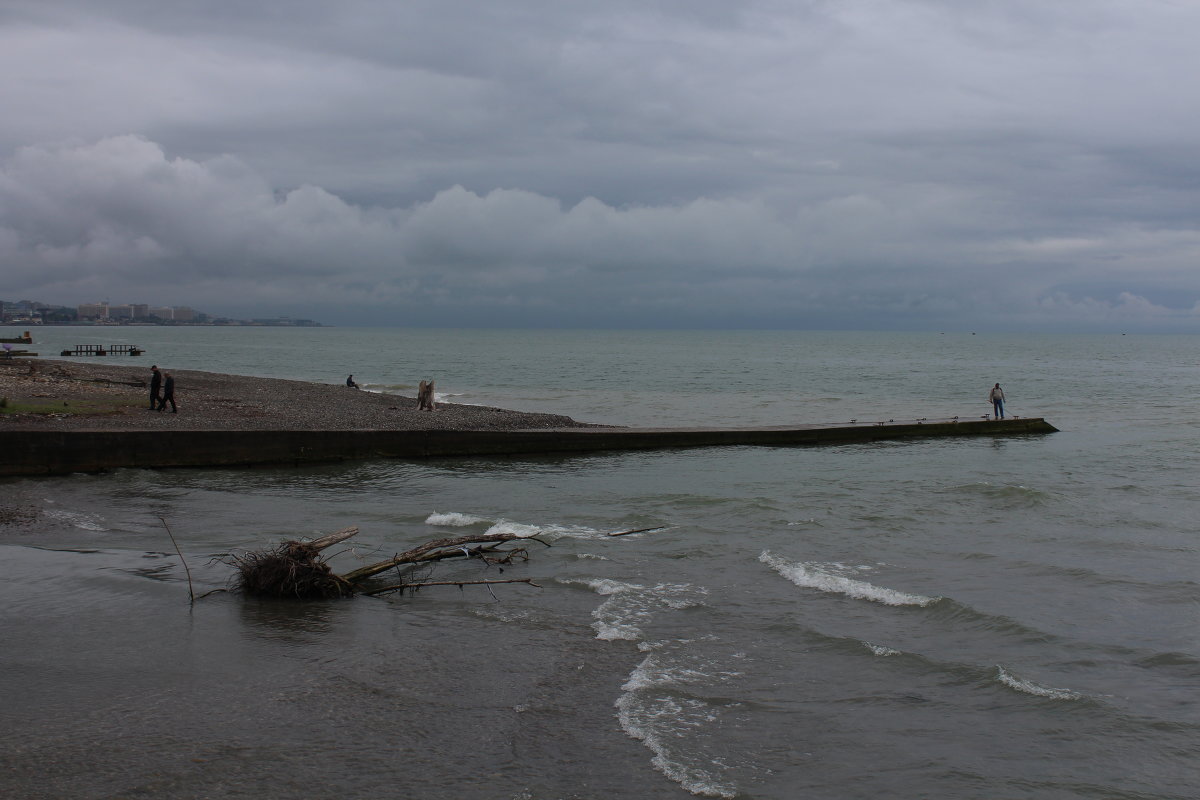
<point>893,164</point>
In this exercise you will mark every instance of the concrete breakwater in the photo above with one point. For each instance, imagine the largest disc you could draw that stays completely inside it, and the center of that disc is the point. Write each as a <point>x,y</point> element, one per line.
<point>56,452</point>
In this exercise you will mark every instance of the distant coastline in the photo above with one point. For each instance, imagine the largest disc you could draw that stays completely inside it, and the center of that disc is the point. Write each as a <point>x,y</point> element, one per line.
<point>33,312</point>
<point>216,323</point>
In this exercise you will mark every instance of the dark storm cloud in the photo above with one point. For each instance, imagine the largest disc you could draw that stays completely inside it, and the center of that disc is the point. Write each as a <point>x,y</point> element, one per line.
<point>857,164</point>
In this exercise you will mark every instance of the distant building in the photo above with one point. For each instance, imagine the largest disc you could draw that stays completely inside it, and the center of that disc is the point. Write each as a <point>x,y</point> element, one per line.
<point>36,313</point>
<point>93,310</point>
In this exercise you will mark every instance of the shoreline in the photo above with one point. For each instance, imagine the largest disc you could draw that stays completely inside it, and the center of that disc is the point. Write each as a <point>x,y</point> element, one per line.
<point>229,420</point>
<point>217,401</point>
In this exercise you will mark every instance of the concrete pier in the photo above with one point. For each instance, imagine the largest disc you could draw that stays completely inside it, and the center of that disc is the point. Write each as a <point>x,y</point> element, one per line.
<point>56,452</point>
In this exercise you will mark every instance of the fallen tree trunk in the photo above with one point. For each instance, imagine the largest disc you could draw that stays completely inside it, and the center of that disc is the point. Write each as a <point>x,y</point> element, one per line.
<point>454,547</point>
<point>331,539</point>
<point>297,569</point>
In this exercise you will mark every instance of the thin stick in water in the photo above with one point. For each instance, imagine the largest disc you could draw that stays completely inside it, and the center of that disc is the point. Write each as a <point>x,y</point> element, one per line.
<point>639,530</point>
<point>402,586</point>
<point>191,591</point>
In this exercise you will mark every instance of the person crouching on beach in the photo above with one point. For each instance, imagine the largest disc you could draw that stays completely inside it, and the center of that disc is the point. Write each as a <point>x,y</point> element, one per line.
<point>996,395</point>
<point>155,384</point>
<point>350,382</point>
<point>168,395</point>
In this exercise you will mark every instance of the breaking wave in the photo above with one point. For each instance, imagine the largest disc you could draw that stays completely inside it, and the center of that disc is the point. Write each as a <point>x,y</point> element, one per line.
<point>1036,689</point>
<point>656,709</point>
<point>630,605</point>
<point>825,578</point>
<point>77,519</point>
<point>454,519</point>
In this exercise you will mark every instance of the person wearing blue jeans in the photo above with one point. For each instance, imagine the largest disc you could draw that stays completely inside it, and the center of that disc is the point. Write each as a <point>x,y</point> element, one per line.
<point>996,395</point>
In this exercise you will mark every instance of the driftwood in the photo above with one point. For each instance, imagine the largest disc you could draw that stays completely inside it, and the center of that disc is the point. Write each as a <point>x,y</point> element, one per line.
<point>639,530</point>
<point>292,569</point>
<point>402,586</point>
<point>425,396</point>
<point>182,560</point>
<point>297,569</point>
<point>454,547</point>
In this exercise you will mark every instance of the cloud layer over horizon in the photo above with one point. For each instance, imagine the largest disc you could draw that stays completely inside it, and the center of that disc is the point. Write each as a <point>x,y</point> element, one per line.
<point>865,164</point>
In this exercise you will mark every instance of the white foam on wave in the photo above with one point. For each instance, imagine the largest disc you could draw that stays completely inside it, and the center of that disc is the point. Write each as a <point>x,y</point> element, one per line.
<point>658,719</point>
<point>77,519</point>
<point>630,605</point>
<point>453,519</point>
<point>1029,687</point>
<point>880,650</point>
<point>824,577</point>
<point>515,528</point>
<point>550,532</point>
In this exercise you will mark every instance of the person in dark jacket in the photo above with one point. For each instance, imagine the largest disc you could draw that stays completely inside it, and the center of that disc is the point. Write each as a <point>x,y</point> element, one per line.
<point>155,385</point>
<point>168,395</point>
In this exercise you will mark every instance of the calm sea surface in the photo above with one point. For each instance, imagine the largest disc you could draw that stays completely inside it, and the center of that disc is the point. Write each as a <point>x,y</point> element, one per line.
<point>979,618</point>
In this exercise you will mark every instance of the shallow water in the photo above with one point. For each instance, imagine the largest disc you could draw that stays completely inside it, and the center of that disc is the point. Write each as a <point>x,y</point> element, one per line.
<point>1009,617</point>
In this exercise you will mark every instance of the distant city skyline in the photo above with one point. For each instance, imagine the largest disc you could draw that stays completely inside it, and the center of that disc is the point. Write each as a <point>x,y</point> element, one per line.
<point>34,312</point>
<point>902,164</point>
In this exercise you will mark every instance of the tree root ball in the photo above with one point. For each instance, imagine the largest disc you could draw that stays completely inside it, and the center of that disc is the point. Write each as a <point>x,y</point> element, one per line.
<point>291,570</point>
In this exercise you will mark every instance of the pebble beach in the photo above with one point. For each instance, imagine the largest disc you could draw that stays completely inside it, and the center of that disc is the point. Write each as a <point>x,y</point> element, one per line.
<point>116,397</point>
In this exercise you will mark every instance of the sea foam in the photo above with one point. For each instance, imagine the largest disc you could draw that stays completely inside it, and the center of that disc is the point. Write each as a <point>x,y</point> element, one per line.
<point>657,718</point>
<point>631,605</point>
<point>1029,687</point>
<point>823,578</point>
<point>77,519</point>
<point>455,519</point>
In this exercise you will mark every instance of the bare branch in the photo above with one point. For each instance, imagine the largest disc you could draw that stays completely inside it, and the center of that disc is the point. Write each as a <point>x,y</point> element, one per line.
<point>402,586</point>
<point>639,530</point>
<point>191,591</point>
<point>434,551</point>
<point>333,538</point>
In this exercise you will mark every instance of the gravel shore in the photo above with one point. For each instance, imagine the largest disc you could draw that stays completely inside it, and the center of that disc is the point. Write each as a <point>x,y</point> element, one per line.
<point>213,401</point>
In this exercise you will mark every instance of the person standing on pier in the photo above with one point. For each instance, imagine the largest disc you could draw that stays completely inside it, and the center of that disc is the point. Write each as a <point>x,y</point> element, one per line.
<point>996,395</point>
<point>168,395</point>
<point>155,384</point>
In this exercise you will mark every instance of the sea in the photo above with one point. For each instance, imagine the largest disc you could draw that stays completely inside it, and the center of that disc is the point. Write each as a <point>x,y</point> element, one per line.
<point>977,617</point>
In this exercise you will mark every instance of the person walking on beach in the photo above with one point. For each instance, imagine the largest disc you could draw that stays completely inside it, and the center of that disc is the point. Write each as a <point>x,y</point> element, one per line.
<point>996,395</point>
<point>168,395</point>
<point>155,384</point>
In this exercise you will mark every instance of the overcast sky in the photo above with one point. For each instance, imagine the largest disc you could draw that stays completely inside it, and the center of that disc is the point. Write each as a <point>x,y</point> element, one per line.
<point>874,164</point>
